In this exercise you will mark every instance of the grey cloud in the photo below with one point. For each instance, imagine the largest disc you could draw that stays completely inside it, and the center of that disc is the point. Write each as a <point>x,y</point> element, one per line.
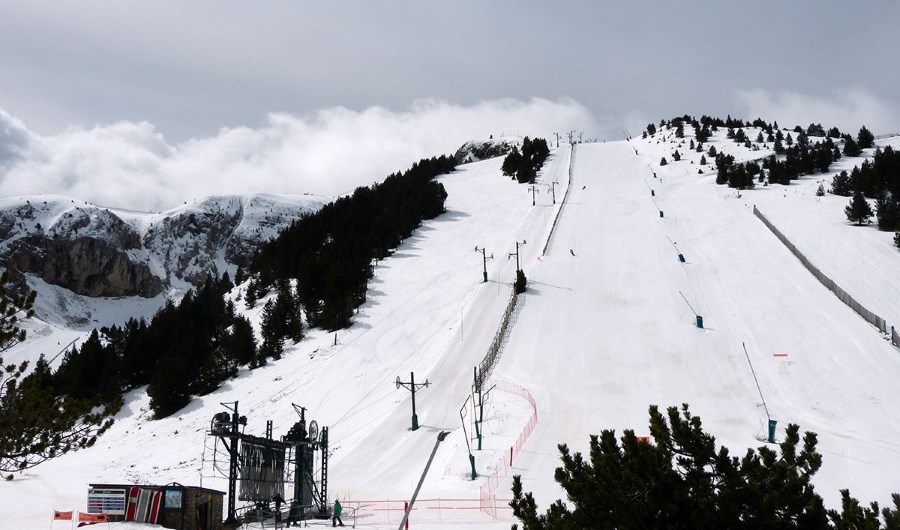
<point>847,109</point>
<point>14,140</point>
<point>330,152</point>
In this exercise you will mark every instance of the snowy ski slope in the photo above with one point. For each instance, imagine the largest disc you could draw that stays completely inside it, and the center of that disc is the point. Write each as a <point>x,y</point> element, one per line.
<point>599,336</point>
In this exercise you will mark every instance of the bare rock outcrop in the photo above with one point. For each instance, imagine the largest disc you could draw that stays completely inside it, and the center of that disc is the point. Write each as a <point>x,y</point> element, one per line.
<point>84,265</point>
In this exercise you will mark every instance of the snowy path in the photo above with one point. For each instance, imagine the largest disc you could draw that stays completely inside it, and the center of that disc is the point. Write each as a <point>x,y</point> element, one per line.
<point>605,333</point>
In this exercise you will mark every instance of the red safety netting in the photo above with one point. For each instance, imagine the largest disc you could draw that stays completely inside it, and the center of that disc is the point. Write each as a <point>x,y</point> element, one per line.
<point>488,501</point>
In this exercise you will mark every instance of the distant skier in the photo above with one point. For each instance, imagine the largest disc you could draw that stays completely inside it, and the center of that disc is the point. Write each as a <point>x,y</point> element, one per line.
<point>584,187</point>
<point>337,514</point>
<point>571,251</point>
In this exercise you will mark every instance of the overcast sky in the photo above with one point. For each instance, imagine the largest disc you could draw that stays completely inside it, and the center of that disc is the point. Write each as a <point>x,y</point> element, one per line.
<point>174,85</point>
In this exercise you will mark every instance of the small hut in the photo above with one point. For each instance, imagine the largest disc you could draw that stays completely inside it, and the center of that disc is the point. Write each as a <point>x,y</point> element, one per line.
<point>171,506</point>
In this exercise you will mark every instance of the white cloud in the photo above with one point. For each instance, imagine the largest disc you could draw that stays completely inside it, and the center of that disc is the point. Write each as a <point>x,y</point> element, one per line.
<point>331,152</point>
<point>847,109</point>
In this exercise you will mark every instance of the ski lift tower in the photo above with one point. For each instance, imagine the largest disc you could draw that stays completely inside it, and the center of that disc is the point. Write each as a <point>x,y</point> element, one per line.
<point>304,441</point>
<point>225,426</point>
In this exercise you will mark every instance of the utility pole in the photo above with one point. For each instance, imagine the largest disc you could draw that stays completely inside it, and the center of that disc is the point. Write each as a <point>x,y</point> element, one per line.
<point>486,257</point>
<point>516,254</point>
<point>412,387</point>
<point>533,189</point>
<point>553,190</point>
<point>570,133</point>
<point>580,136</point>
<point>557,139</point>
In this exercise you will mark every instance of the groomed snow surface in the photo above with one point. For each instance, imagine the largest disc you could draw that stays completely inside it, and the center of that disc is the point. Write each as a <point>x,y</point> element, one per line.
<point>606,328</point>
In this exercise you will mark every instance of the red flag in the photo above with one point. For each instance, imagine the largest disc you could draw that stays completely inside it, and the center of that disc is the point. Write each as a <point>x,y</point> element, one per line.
<point>92,518</point>
<point>62,516</point>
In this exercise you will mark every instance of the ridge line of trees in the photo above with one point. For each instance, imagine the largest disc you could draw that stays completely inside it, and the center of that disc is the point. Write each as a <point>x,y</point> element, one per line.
<point>318,266</point>
<point>329,253</point>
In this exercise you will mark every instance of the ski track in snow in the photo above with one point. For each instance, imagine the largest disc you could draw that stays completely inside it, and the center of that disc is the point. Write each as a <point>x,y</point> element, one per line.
<point>601,335</point>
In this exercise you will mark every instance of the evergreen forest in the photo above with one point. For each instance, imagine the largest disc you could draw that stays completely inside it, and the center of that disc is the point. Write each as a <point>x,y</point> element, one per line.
<point>318,267</point>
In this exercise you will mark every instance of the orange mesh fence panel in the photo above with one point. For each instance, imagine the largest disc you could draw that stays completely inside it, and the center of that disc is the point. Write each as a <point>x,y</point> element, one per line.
<point>438,510</point>
<point>487,495</point>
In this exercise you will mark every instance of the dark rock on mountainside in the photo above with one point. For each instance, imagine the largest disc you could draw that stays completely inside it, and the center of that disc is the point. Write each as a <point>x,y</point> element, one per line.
<point>84,265</point>
<point>476,150</point>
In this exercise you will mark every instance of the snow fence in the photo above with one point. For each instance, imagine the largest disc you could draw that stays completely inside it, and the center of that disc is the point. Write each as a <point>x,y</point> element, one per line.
<point>843,295</point>
<point>493,353</point>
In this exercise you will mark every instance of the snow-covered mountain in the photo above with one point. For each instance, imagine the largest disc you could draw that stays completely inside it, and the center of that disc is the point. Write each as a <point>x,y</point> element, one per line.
<point>602,332</point>
<point>95,251</point>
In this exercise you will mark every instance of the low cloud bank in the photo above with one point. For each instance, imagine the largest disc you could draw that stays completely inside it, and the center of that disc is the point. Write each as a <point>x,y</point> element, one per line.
<point>330,152</point>
<point>847,109</point>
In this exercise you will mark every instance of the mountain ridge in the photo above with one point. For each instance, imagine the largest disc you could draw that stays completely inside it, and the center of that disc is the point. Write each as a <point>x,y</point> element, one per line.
<point>108,252</point>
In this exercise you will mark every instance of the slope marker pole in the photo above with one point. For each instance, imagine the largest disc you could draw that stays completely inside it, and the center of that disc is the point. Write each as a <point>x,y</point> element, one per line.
<point>680,255</point>
<point>772,423</point>
<point>698,317</point>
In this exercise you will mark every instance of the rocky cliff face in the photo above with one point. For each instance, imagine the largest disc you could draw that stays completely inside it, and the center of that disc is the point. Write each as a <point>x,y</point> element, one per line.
<point>475,150</point>
<point>84,265</point>
<point>98,252</point>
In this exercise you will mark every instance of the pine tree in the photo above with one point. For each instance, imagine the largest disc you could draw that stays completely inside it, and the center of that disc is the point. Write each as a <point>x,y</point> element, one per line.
<point>841,185</point>
<point>886,211</point>
<point>241,342</point>
<point>12,308</point>
<point>168,388</point>
<point>512,162</point>
<point>35,425</point>
<point>287,310</point>
<point>703,134</point>
<point>662,161</point>
<point>252,293</point>
<point>681,479</point>
<point>865,139</point>
<point>521,282</point>
<point>851,148</point>
<point>90,371</point>
<point>272,331</point>
<point>858,211</point>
